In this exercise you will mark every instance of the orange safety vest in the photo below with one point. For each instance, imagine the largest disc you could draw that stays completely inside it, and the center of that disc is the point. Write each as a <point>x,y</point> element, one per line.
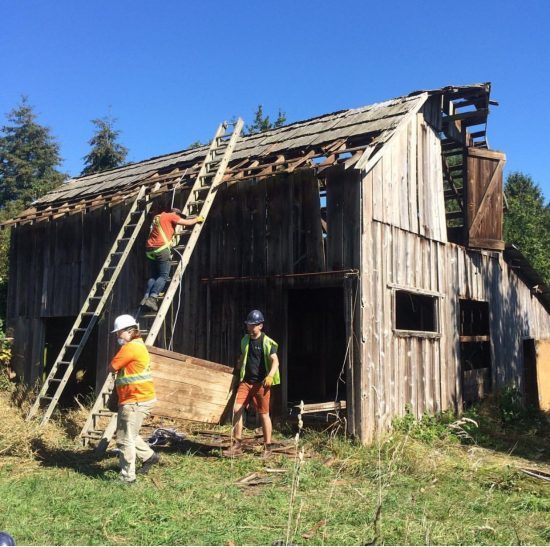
<point>134,381</point>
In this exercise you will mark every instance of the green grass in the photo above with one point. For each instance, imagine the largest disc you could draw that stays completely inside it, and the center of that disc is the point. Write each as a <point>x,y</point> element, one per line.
<point>433,490</point>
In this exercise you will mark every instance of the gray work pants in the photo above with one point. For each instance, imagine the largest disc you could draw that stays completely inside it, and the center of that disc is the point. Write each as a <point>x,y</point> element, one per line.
<point>129,420</point>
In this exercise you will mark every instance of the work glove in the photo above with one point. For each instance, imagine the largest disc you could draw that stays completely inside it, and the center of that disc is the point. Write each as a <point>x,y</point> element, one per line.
<point>268,381</point>
<point>200,219</point>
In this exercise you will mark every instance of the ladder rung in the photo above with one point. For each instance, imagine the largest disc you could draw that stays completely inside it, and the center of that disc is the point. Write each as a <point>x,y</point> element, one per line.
<point>451,194</point>
<point>195,203</point>
<point>103,412</point>
<point>64,362</point>
<point>88,313</point>
<point>130,226</point>
<point>73,345</point>
<point>83,329</point>
<point>46,398</point>
<point>57,380</point>
<point>93,435</point>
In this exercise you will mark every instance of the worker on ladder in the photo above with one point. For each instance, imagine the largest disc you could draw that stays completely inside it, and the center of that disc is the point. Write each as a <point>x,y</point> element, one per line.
<point>158,251</point>
<point>136,397</point>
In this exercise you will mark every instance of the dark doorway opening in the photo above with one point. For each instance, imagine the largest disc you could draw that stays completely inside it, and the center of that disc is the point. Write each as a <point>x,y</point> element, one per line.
<point>475,350</point>
<point>82,381</point>
<point>316,345</point>
<point>530,373</point>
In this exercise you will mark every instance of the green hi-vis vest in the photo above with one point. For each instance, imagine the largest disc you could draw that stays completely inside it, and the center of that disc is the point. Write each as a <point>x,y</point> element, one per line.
<point>267,344</point>
<point>167,243</point>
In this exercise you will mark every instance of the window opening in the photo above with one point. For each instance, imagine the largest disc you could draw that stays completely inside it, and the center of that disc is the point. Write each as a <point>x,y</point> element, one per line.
<point>474,318</point>
<point>415,312</point>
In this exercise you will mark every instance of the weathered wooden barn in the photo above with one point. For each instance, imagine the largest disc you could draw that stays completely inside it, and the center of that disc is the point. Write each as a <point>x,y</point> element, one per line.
<point>370,238</point>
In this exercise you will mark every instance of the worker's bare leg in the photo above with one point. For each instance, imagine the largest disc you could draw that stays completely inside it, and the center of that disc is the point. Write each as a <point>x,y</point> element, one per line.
<point>235,449</point>
<point>267,427</point>
<point>238,412</point>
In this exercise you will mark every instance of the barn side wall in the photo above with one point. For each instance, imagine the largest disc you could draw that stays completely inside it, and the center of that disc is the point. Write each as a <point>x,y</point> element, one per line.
<point>422,372</point>
<point>255,230</point>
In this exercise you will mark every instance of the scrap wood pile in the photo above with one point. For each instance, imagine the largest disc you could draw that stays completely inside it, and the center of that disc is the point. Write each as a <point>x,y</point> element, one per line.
<point>254,444</point>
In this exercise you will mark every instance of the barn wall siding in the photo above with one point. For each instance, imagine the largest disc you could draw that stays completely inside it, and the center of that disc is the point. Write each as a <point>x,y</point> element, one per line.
<point>407,187</point>
<point>257,229</point>
<point>418,372</point>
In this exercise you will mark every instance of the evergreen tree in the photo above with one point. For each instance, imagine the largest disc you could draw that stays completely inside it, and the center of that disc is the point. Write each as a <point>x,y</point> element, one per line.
<point>106,153</point>
<point>28,158</point>
<point>527,221</point>
<point>263,123</point>
<point>195,144</point>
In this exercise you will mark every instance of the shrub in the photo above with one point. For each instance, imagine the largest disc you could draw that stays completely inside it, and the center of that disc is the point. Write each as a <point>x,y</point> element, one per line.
<point>428,428</point>
<point>510,405</point>
<point>6,373</point>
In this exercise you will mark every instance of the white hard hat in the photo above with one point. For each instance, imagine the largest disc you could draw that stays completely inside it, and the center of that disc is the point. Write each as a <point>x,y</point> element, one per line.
<point>123,322</point>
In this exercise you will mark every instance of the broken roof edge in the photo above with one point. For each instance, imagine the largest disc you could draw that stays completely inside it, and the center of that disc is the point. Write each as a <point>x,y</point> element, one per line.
<point>201,150</point>
<point>89,188</point>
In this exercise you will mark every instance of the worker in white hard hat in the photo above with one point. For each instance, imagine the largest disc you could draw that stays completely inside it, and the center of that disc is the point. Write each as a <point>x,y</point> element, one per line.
<point>136,398</point>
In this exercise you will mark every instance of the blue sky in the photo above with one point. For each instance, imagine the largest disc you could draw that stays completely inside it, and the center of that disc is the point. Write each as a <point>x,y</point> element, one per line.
<point>170,71</point>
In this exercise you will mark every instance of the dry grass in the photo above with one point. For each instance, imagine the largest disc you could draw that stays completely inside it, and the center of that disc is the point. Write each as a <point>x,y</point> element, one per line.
<point>19,438</point>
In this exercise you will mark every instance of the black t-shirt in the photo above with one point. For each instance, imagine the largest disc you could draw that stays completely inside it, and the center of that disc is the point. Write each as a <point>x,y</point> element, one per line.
<point>255,365</point>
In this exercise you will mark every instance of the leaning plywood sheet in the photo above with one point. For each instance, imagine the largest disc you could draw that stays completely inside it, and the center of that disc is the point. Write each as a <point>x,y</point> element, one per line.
<point>189,388</point>
<point>543,373</point>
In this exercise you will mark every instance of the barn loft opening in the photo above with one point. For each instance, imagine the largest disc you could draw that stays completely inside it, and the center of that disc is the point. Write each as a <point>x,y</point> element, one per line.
<point>316,345</point>
<point>415,312</point>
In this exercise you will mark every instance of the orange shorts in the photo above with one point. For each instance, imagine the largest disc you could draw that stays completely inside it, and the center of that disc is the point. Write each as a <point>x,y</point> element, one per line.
<point>254,392</point>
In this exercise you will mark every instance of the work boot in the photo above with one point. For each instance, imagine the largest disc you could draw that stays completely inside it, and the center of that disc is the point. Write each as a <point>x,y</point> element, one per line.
<point>143,301</point>
<point>234,450</point>
<point>147,464</point>
<point>151,303</point>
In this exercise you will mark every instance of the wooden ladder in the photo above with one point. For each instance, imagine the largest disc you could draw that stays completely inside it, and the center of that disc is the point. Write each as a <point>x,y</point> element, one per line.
<point>91,310</point>
<point>199,202</point>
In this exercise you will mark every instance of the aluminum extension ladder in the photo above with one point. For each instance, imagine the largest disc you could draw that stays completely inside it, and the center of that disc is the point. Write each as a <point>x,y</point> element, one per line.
<point>91,310</point>
<point>199,202</point>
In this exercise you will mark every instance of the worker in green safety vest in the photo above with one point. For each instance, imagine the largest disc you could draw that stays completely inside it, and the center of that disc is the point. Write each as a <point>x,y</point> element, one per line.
<point>158,251</point>
<point>258,371</point>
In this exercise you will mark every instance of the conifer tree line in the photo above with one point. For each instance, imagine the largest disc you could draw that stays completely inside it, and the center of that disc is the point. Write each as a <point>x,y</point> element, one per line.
<point>29,168</point>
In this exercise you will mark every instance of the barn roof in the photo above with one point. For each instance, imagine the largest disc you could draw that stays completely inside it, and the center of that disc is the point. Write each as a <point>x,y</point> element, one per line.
<point>533,279</point>
<point>345,137</point>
